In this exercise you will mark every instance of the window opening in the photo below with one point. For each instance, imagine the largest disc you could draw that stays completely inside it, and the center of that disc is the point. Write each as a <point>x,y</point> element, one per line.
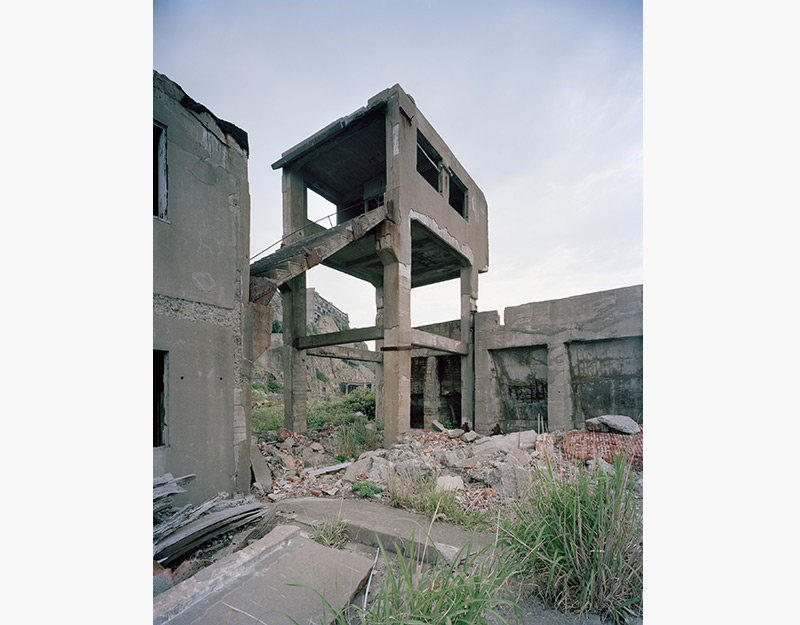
<point>458,196</point>
<point>159,171</point>
<point>159,397</point>
<point>428,162</point>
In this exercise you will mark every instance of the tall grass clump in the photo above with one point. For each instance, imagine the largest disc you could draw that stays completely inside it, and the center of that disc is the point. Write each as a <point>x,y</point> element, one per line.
<point>577,541</point>
<point>468,591</point>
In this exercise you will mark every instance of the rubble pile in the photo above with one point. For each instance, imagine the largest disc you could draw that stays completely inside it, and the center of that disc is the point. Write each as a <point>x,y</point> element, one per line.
<point>483,471</point>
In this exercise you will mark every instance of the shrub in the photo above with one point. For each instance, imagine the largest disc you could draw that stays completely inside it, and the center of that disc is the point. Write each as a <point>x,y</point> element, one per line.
<point>277,326</point>
<point>366,489</point>
<point>342,411</point>
<point>362,400</point>
<point>267,418</point>
<point>322,377</point>
<point>578,541</point>
<point>274,384</point>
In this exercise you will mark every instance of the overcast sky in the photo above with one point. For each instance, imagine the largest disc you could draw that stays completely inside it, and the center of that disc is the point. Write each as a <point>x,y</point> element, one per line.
<point>541,102</point>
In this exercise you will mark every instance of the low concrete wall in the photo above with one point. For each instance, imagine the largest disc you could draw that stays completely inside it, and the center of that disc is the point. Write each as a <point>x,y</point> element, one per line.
<point>560,361</point>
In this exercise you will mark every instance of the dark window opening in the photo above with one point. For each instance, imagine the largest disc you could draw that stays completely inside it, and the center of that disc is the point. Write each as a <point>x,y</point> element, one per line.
<point>159,172</point>
<point>429,163</point>
<point>458,196</point>
<point>417,410</point>
<point>159,397</point>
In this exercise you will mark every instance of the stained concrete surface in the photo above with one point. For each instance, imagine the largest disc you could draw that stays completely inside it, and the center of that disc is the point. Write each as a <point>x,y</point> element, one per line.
<point>275,578</point>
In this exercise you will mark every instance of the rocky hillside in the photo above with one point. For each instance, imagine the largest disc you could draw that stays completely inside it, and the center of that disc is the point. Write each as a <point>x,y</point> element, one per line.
<point>326,377</point>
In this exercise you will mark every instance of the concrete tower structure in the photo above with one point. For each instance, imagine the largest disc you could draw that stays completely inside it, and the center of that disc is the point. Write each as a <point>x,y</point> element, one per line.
<point>408,215</point>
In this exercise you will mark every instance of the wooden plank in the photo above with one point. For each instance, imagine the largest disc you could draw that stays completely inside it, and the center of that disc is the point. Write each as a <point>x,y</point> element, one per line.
<point>201,527</point>
<point>330,469</point>
<point>185,516</point>
<point>212,534</point>
<point>264,527</point>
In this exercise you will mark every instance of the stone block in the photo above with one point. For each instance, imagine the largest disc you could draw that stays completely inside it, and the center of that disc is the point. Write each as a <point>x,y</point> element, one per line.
<point>449,482</point>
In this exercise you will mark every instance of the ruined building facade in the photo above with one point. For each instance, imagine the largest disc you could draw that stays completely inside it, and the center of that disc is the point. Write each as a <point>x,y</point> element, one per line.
<point>408,215</point>
<point>202,320</point>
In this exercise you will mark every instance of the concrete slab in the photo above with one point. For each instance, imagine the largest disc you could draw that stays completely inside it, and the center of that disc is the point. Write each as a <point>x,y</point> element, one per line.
<point>268,582</point>
<point>369,522</point>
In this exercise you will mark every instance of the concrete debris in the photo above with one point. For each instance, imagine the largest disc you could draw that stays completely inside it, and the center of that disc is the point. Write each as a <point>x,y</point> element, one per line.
<point>612,423</point>
<point>482,470</point>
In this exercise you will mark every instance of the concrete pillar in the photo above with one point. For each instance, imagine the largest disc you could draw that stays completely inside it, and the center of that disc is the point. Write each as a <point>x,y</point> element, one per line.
<point>432,391</point>
<point>486,401</point>
<point>469,298</point>
<point>394,249</point>
<point>378,385</point>
<point>295,385</point>
<point>559,388</point>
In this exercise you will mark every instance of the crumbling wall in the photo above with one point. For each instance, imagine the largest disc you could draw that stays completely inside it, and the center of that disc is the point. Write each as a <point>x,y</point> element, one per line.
<point>522,381</point>
<point>201,318</point>
<point>555,363</point>
<point>607,378</point>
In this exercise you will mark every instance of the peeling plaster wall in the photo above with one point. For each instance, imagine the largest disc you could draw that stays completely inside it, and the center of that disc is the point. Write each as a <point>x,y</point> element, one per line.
<point>200,297</point>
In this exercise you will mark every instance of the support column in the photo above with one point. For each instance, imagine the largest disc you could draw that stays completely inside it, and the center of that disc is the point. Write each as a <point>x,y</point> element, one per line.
<point>469,298</point>
<point>394,249</point>
<point>559,389</point>
<point>295,384</point>
<point>380,415</point>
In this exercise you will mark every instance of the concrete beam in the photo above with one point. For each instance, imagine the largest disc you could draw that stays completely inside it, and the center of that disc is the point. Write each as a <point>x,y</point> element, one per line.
<point>356,335</point>
<point>345,353</point>
<point>292,260</point>
<point>420,338</point>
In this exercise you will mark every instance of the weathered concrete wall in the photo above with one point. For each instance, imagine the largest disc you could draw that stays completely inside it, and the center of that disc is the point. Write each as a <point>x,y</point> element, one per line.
<point>563,360</point>
<point>200,296</point>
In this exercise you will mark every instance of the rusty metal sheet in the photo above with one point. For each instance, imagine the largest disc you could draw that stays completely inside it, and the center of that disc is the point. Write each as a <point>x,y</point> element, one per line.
<point>262,290</point>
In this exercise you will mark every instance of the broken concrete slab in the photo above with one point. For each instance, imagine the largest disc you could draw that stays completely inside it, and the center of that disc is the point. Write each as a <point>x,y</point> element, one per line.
<point>271,580</point>
<point>371,523</point>
<point>261,470</point>
<point>613,423</point>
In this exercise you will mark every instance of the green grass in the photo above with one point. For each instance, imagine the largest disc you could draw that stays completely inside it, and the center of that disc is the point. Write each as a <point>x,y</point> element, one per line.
<point>332,533</point>
<point>420,494</point>
<point>468,591</point>
<point>577,542</point>
<point>366,489</point>
<point>267,418</point>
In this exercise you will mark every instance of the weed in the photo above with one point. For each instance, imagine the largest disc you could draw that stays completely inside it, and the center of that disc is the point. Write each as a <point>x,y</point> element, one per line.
<point>366,489</point>
<point>578,541</point>
<point>469,590</point>
<point>420,494</point>
<point>332,533</point>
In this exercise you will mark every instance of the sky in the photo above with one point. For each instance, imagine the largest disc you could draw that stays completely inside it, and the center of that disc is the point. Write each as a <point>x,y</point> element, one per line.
<point>540,101</point>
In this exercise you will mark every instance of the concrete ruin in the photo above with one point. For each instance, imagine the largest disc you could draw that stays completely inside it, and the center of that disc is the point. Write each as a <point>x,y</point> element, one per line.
<point>407,215</point>
<point>203,323</point>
